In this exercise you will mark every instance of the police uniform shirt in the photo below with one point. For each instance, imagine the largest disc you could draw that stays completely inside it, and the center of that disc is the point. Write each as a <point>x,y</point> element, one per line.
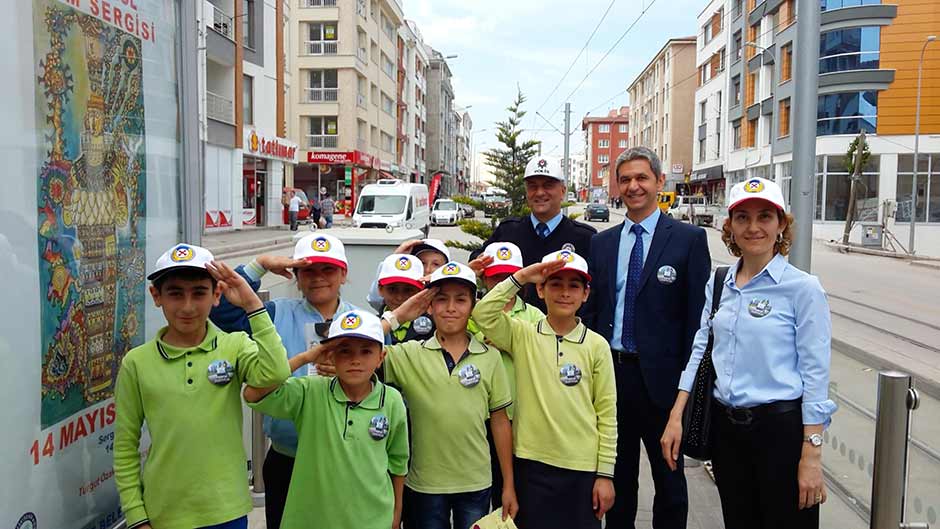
<point>772,341</point>
<point>190,399</point>
<point>345,452</point>
<point>521,232</point>
<point>566,412</point>
<point>449,403</point>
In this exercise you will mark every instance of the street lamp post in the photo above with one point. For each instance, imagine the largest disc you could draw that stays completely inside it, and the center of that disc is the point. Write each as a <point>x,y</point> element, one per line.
<point>762,50</point>
<point>920,73</point>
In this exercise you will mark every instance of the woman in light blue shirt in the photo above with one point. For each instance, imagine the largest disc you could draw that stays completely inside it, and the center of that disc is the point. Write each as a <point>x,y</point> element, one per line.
<point>771,353</point>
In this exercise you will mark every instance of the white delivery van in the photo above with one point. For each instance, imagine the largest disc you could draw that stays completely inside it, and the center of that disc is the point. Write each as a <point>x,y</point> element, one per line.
<point>391,202</point>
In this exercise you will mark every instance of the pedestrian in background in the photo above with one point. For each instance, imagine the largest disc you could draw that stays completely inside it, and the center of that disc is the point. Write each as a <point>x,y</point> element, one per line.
<point>315,209</point>
<point>293,210</point>
<point>771,354</point>
<point>649,276</point>
<point>328,206</point>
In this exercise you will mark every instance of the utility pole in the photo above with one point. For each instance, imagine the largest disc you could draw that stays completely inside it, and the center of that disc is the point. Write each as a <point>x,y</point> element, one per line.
<point>567,169</point>
<point>806,77</point>
<point>856,175</point>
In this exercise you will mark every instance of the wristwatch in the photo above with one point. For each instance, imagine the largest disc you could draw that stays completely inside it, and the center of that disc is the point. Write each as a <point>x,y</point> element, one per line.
<point>814,439</point>
<point>389,316</point>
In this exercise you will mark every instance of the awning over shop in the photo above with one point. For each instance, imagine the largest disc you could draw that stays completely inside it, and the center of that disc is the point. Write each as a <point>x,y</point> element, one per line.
<point>711,173</point>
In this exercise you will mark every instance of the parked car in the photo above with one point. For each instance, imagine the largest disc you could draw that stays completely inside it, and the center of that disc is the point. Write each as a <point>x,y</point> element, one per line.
<point>467,211</point>
<point>391,202</point>
<point>495,204</point>
<point>445,212</point>
<point>303,215</point>
<point>694,209</point>
<point>572,197</point>
<point>597,212</point>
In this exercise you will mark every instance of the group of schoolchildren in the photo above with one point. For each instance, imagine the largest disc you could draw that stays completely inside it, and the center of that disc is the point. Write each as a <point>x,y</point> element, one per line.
<point>427,412</point>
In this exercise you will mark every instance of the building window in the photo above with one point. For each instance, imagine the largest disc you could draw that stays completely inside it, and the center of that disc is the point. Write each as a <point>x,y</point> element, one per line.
<point>387,66</point>
<point>321,86</point>
<point>248,96</point>
<point>248,23</point>
<point>750,95</point>
<point>736,90</point>
<point>603,158</point>
<point>928,187</point>
<point>388,106</point>
<point>375,95</point>
<point>701,112</point>
<point>847,113</point>
<point>784,117</point>
<point>387,143</point>
<point>322,133</point>
<point>786,62</point>
<point>622,128</point>
<point>321,39</point>
<point>701,150</point>
<point>603,129</point>
<point>736,133</point>
<point>750,135</point>
<point>850,49</point>
<point>622,144</point>
<point>833,185</point>
<point>737,43</point>
<point>829,5</point>
<point>737,9</point>
<point>603,144</point>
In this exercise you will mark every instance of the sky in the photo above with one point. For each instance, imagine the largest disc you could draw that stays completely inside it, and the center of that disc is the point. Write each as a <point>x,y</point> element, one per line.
<point>530,44</point>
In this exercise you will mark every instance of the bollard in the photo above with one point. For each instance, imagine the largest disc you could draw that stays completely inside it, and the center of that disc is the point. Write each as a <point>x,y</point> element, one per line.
<point>896,400</point>
<point>258,441</point>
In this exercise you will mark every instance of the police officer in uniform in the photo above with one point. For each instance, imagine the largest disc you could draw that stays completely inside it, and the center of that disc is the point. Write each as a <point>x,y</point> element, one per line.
<point>545,229</point>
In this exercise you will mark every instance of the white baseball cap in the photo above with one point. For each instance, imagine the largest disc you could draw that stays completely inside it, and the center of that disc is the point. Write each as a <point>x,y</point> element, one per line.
<point>356,324</point>
<point>454,271</point>
<point>317,248</point>
<point>401,268</point>
<point>756,188</point>
<point>572,261</point>
<point>181,256</point>
<point>434,245</point>
<point>507,258</point>
<point>545,166</point>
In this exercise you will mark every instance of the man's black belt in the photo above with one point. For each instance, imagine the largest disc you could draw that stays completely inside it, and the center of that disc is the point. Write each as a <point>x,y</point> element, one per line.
<point>623,357</point>
<point>746,416</point>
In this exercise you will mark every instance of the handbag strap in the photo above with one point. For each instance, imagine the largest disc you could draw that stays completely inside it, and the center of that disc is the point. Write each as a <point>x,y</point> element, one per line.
<point>720,274</point>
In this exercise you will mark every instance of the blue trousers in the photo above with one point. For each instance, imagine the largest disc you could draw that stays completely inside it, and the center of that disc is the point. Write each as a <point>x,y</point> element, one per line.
<point>238,523</point>
<point>433,511</point>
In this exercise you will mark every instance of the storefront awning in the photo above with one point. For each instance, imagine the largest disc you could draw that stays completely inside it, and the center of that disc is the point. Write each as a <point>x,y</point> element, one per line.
<point>711,173</point>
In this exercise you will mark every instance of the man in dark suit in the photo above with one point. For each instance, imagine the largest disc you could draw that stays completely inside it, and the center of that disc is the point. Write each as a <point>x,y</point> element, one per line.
<point>648,288</point>
<point>545,229</point>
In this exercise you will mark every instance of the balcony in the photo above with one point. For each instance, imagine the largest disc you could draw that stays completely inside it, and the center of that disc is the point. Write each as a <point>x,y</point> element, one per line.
<point>322,141</point>
<point>220,108</point>
<point>317,3</point>
<point>320,95</point>
<point>221,22</point>
<point>321,47</point>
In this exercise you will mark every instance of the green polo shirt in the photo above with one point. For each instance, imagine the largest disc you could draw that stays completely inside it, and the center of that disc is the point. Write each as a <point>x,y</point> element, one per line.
<point>520,311</point>
<point>561,420</point>
<point>196,473</point>
<point>448,412</point>
<point>341,474</point>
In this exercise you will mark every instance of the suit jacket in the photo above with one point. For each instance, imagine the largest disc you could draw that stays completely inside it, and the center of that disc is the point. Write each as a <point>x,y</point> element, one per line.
<point>667,313</point>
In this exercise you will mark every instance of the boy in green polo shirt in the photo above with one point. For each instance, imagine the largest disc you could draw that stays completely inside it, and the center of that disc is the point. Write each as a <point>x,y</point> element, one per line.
<point>186,384</point>
<point>352,449</point>
<point>452,383</point>
<point>565,424</point>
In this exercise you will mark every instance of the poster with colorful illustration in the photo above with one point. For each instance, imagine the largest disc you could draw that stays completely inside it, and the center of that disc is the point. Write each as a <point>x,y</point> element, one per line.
<point>91,196</point>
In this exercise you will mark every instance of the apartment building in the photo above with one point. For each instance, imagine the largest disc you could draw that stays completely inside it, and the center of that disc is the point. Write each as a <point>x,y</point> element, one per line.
<point>605,138</point>
<point>661,98</point>
<point>414,59</point>
<point>345,110</point>
<point>463,141</point>
<point>708,146</point>
<point>868,60</point>
<point>246,154</point>
<point>442,128</point>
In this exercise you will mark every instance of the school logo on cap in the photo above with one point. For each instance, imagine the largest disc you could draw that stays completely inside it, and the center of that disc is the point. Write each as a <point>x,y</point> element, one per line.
<point>403,264</point>
<point>754,186</point>
<point>504,254</point>
<point>350,322</point>
<point>321,244</point>
<point>182,253</point>
<point>565,256</point>
<point>543,163</point>
<point>451,269</point>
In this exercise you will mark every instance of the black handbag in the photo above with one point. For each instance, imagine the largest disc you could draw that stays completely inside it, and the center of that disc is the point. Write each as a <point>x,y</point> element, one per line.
<point>697,416</point>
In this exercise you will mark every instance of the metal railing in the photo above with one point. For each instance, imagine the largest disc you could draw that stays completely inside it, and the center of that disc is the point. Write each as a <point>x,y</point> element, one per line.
<point>322,141</point>
<point>222,22</point>
<point>220,108</point>
<point>320,95</point>
<point>317,3</point>
<point>897,399</point>
<point>321,47</point>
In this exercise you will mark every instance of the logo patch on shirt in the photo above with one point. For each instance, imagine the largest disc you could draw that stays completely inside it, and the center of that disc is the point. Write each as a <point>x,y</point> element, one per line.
<point>570,374</point>
<point>666,275</point>
<point>221,372</point>
<point>759,307</point>
<point>504,254</point>
<point>182,253</point>
<point>568,247</point>
<point>422,325</point>
<point>350,322</point>
<point>469,376</point>
<point>403,264</point>
<point>378,427</point>
<point>321,244</point>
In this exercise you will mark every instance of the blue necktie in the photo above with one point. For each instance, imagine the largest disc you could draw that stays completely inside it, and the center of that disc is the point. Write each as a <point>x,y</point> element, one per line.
<point>542,230</point>
<point>631,289</point>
